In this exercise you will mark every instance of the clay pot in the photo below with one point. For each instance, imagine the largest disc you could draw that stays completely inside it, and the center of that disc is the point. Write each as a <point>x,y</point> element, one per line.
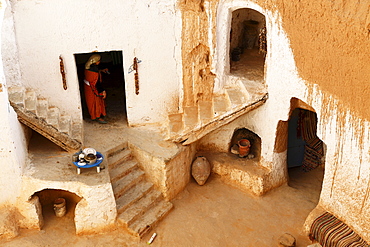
<point>200,170</point>
<point>60,207</point>
<point>244,147</point>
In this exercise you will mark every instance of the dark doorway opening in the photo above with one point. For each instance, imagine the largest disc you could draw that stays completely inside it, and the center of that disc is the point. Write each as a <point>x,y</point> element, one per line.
<point>47,198</point>
<point>248,44</point>
<point>296,144</point>
<point>113,83</point>
<point>305,154</point>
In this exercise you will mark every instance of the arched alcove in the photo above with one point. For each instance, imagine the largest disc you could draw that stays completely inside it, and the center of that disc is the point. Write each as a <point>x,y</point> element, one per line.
<point>248,44</point>
<point>47,216</point>
<point>254,139</point>
<point>305,150</point>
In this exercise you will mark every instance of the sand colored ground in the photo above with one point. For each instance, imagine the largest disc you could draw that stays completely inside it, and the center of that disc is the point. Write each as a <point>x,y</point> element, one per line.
<point>215,214</point>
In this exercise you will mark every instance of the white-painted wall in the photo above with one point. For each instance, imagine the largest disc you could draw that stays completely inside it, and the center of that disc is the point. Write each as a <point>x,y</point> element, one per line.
<point>13,149</point>
<point>149,30</point>
<point>9,47</point>
<point>281,78</point>
<point>346,189</point>
<point>96,210</point>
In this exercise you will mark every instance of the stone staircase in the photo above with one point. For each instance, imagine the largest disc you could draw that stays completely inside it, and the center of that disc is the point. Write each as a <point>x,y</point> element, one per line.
<point>139,205</point>
<point>197,121</point>
<point>35,112</point>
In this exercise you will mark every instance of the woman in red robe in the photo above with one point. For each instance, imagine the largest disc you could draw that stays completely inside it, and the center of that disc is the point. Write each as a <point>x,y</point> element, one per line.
<point>94,99</point>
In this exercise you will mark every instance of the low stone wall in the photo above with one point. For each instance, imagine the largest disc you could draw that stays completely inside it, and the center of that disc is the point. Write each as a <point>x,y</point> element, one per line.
<point>95,211</point>
<point>169,174</point>
<point>9,226</point>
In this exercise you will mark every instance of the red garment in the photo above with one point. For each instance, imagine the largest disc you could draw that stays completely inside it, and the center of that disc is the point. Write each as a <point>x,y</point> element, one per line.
<point>95,104</point>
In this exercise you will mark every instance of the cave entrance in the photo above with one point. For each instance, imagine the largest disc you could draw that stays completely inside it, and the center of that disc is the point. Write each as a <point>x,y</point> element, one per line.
<point>49,221</point>
<point>248,44</point>
<point>305,150</point>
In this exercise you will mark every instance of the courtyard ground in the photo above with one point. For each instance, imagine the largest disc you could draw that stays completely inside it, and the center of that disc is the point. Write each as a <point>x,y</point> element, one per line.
<point>212,215</point>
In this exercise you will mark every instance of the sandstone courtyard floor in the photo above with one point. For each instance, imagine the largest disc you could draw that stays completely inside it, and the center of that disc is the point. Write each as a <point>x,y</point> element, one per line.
<point>212,215</point>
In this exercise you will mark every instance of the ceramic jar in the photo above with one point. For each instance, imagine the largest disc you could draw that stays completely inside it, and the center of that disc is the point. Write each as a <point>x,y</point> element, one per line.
<point>200,170</point>
<point>244,147</point>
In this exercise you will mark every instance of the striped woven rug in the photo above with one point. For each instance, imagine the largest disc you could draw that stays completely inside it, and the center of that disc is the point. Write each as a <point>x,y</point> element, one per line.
<point>331,232</point>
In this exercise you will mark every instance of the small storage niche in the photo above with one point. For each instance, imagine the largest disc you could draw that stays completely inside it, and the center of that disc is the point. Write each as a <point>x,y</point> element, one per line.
<point>253,138</point>
<point>46,201</point>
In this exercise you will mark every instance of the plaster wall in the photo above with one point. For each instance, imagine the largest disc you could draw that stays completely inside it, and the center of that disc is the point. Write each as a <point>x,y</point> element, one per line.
<point>95,212</point>
<point>178,171</point>
<point>9,47</point>
<point>13,151</point>
<point>12,143</point>
<point>345,191</point>
<point>281,78</point>
<point>169,174</point>
<point>147,30</point>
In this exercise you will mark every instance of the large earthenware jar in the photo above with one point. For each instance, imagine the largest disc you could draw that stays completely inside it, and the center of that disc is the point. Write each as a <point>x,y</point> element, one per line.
<point>200,170</point>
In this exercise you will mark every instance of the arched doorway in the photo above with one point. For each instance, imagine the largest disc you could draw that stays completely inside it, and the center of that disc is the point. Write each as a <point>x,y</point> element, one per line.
<point>248,44</point>
<point>305,151</point>
<point>50,221</point>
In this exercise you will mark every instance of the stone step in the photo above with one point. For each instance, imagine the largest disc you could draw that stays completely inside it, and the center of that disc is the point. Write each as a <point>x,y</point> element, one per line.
<point>236,96</point>
<point>132,195</point>
<point>30,101</point>
<point>191,117</point>
<point>53,116</point>
<point>65,124</point>
<point>121,170</point>
<point>126,182</point>
<point>36,113</point>
<point>139,208</point>
<point>116,149</point>
<point>76,132</point>
<point>176,123</point>
<point>205,111</point>
<point>119,157</point>
<point>144,224</point>
<point>42,107</point>
<point>16,95</point>
<point>221,104</point>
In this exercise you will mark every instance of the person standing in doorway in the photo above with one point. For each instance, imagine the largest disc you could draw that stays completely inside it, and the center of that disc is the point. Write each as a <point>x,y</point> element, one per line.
<point>94,92</point>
